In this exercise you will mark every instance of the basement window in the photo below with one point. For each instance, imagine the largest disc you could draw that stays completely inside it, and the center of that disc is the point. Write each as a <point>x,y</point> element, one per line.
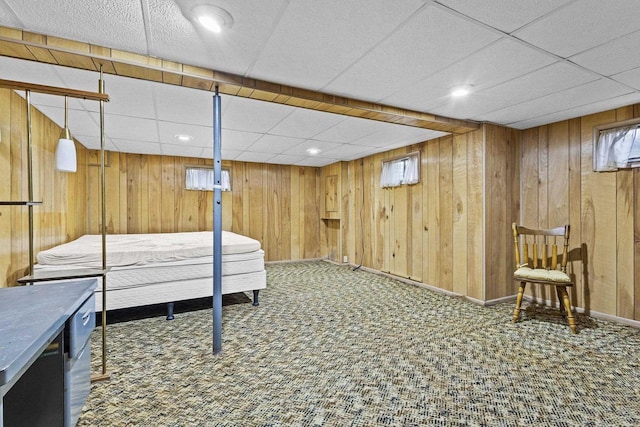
<point>617,146</point>
<point>201,178</point>
<point>400,170</point>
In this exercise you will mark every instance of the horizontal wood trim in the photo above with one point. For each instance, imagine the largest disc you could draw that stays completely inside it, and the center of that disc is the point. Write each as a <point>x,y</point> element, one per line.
<point>22,44</point>
<point>53,90</point>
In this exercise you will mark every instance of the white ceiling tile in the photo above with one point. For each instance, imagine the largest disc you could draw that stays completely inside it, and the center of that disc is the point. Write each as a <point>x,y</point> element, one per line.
<point>315,41</point>
<point>346,150</point>
<point>349,130</point>
<point>316,161</point>
<point>275,144</point>
<point>582,25</point>
<point>93,142</point>
<point>227,154</point>
<point>301,149</point>
<point>505,15</point>
<point>254,116</point>
<point>29,72</point>
<point>238,140</point>
<point>583,110</point>
<point>630,78</point>
<point>564,100</point>
<point>183,105</point>
<point>304,123</point>
<point>613,57</point>
<point>182,150</point>
<point>284,159</point>
<point>406,54</point>
<point>129,97</point>
<point>118,21</point>
<point>137,129</point>
<point>503,60</point>
<point>406,57</point>
<point>137,147</point>
<point>174,35</point>
<point>80,122</point>
<point>168,131</point>
<point>249,156</point>
<point>554,78</point>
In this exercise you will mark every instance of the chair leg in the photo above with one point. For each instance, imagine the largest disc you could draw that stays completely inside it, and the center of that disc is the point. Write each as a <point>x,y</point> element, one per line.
<point>567,306</point>
<point>516,310</point>
<point>560,299</point>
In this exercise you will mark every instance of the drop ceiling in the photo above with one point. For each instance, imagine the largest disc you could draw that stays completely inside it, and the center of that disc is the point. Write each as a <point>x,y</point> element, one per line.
<point>529,63</point>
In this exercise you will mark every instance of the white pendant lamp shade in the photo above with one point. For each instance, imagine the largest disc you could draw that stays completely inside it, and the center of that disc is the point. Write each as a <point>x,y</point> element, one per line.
<point>66,155</point>
<point>66,149</point>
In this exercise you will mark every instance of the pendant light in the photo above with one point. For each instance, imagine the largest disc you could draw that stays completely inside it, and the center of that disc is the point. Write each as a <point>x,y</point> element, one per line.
<point>66,149</point>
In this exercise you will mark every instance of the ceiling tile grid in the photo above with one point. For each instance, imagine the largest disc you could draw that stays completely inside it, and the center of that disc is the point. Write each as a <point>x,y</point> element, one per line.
<point>530,63</point>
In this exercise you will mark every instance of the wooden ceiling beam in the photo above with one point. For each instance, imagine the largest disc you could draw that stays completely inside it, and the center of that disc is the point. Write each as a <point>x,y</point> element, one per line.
<point>52,50</point>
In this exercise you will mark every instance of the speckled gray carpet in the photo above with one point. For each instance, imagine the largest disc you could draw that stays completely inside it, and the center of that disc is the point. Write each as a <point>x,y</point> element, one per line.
<point>332,347</point>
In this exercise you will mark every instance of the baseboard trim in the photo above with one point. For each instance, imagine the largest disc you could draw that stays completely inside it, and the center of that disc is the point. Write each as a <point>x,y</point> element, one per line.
<point>491,301</point>
<point>289,261</point>
<point>604,316</point>
<point>408,281</point>
<point>622,320</point>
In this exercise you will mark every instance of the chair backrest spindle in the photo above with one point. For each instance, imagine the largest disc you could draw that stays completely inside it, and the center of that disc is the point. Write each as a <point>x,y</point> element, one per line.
<point>540,240</point>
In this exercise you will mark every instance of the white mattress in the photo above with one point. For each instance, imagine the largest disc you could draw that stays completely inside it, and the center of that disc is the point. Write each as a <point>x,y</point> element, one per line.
<point>141,249</point>
<point>157,268</point>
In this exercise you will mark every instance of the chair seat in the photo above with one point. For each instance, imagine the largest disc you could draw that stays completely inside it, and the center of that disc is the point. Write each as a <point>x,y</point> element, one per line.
<point>541,274</point>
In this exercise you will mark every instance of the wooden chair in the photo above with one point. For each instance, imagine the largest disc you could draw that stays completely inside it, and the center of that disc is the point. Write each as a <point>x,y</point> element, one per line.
<point>537,267</point>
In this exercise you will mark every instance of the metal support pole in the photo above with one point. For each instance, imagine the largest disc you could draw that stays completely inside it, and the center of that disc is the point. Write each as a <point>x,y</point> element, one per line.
<point>30,179</point>
<point>103,228</point>
<point>217,225</point>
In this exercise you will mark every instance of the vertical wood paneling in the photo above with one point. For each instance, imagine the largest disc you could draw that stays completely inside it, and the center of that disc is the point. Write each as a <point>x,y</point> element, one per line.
<point>168,193</point>
<point>311,213</point>
<point>602,209</point>
<point>636,241</point>
<point>18,165</point>
<point>575,203</point>
<point>415,231</point>
<point>624,234</point>
<point>598,209</point>
<point>63,195</point>
<point>154,222</point>
<point>460,231</point>
<point>155,200</point>
<point>433,213</point>
<point>497,209</point>
<point>296,192</point>
<point>475,219</point>
<point>6,171</point>
<point>124,196</point>
<point>543,177</point>
<point>529,213</point>
<point>445,217</point>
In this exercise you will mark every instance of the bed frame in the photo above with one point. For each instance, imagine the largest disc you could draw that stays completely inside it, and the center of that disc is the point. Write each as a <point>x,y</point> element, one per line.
<point>163,268</point>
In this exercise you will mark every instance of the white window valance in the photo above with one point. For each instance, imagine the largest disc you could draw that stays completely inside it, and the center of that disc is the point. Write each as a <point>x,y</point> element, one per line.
<point>616,148</point>
<point>402,170</point>
<point>199,178</point>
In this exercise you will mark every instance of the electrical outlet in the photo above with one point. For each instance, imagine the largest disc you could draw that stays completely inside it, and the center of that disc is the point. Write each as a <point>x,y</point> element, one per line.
<point>345,259</point>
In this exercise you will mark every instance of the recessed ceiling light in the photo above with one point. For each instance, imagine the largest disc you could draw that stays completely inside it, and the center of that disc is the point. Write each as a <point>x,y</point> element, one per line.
<point>313,151</point>
<point>460,91</point>
<point>211,17</point>
<point>183,138</point>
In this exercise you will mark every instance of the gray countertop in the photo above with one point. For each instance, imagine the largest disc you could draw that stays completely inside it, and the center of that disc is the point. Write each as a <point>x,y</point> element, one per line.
<point>31,317</point>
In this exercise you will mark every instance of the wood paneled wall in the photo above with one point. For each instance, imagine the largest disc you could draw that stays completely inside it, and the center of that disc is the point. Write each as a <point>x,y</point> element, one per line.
<point>559,186</point>
<point>447,230</point>
<point>62,215</point>
<point>275,204</point>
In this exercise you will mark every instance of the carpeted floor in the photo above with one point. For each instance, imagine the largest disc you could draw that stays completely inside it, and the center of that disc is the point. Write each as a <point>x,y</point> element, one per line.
<point>332,347</point>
